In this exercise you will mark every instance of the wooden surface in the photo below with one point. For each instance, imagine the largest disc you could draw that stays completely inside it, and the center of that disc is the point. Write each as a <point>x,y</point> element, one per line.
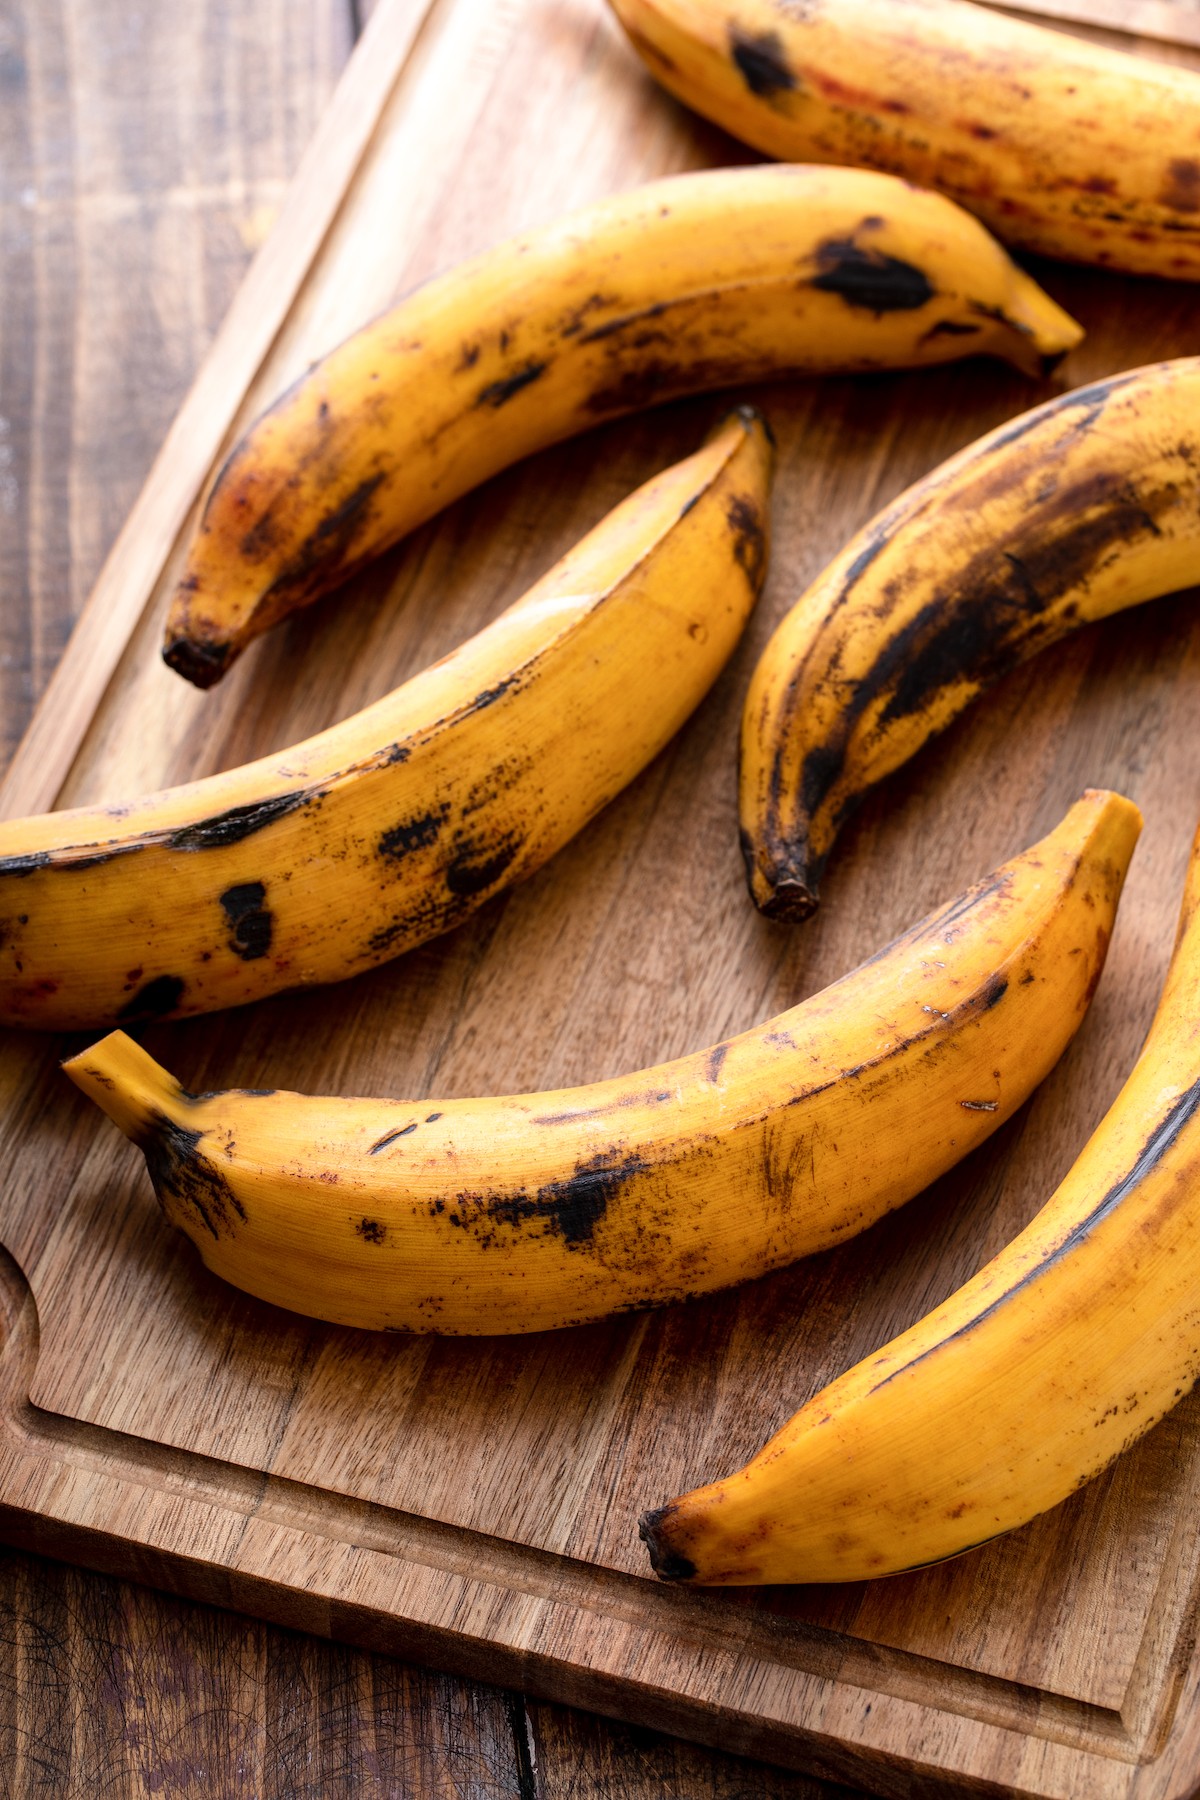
<point>142,161</point>
<point>1057,1659</point>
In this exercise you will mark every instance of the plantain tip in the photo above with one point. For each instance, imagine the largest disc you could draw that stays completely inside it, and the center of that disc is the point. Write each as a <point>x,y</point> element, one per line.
<point>788,901</point>
<point>779,892</point>
<point>667,1564</point>
<point>751,418</point>
<point>201,664</point>
<point>751,421</point>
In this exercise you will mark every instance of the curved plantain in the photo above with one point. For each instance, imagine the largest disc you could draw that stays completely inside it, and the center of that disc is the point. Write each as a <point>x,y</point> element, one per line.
<point>1060,1353</point>
<point>695,282</point>
<point>1078,509</point>
<point>541,1210</point>
<point>375,836</point>
<point>1059,145</point>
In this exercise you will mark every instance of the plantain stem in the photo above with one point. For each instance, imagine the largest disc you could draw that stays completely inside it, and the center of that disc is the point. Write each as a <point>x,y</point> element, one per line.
<point>126,1082</point>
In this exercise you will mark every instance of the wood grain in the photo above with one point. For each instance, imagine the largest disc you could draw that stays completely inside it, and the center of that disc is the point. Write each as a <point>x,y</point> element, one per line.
<point>124,234</point>
<point>113,1689</point>
<point>142,161</point>
<point>107,1688</point>
<point>1159,21</point>
<point>475,1503</point>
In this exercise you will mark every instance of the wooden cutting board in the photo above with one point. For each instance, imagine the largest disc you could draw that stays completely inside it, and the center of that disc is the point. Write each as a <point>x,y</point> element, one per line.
<point>475,1503</point>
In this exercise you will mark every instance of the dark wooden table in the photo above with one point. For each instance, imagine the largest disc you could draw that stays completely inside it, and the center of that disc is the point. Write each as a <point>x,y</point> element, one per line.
<point>144,150</point>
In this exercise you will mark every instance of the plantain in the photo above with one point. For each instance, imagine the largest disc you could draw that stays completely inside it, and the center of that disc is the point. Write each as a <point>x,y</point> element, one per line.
<point>533,1211</point>
<point>1059,145</point>
<point>374,836</point>
<point>1060,1353</point>
<point>694,282</point>
<point>1078,509</point>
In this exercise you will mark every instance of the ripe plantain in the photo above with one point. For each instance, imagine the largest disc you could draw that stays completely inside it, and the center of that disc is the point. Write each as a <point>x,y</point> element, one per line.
<point>1059,145</point>
<point>1060,1353</point>
<point>690,283</point>
<point>374,836</point>
<point>540,1210</point>
<point>1078,509</point>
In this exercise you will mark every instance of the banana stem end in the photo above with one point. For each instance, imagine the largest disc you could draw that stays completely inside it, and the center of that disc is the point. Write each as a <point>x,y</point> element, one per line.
<point>200,663</point>
<point>779,891</point>
<point>125,1082</point>
<point>667,1564</point>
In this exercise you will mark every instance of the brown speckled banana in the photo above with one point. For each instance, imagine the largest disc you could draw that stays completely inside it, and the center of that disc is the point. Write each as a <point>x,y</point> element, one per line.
<point>1060,1353</point>
<point>694,282</point>
<point>540,1210</point>
<point>1059,145</point>
<point>376,835</point>
<point>1076,510</point>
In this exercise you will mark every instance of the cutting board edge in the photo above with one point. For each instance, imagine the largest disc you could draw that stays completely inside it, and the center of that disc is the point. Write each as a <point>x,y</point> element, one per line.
<point>125,1507</point>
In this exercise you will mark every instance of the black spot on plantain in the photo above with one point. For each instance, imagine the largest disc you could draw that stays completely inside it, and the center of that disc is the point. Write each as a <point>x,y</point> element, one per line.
<point>324,556</point>
<point>371,1231</point>
<point>153,1000</point>
<point>715,1061</point>
<point>877,542</point>
<point>429,917</point>
<point>622,1103</point>
<point>1000,607</point>
<point>498,393</point>
<point>612,327</point>
<point>1181,187</point>
<point>219,1094</point>
<point>261,539</point>
<point>949,328</point>
<point>760,61</point>
<point>573,323</point>
<point>488,696</point>
<point>413,834</point>
<point>470,873</point>
<point>634,386</point>
<point>820,770</point>
<point>238,823</point>
<point>338,526</point>
<point>24,865</point>
<point>91,859</point>
<point>389,1137</point>
<point>466,876</point>
<point>1079,409</point>
<point>868,278</point>
<point>981,631</point>
<point>185,1181</point>
<point>749,539</point>
<point>571,1208</point>
<point>249,920</point>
